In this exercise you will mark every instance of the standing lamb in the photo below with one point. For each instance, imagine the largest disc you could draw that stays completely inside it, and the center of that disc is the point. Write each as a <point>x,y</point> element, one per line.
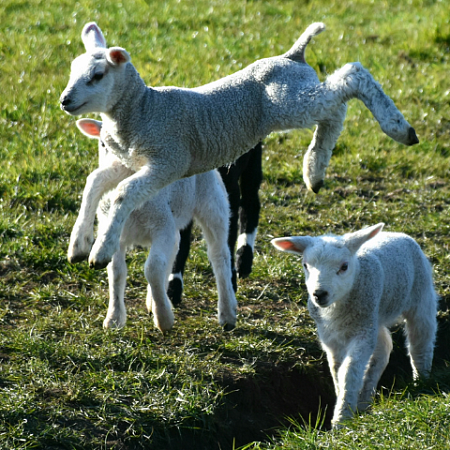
<point>359,284</point>
<point>156,223</point>
<point>242,180</point>
<point>168,133</point>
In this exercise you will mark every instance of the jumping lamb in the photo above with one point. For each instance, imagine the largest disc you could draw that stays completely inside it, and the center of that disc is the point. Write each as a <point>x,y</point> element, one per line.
<point>167,133</point>
<point>359,284</point>
<point>242,180</point>
<point>156,223</point>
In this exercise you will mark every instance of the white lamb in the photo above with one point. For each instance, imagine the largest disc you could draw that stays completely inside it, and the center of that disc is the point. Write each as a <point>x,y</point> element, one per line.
<point>359,284</point>
<point>167,133</point>
<point>156,223</point>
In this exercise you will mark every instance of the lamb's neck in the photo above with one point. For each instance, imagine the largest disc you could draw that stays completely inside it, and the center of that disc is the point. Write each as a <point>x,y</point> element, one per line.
<point>123,112</point>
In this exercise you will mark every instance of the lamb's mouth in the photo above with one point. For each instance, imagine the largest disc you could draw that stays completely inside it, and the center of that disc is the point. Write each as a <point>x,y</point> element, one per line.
<point>72,110</point>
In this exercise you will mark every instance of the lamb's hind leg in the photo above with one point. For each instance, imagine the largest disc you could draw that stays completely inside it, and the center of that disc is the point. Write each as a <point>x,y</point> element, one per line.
<point>157,269</point>
<point>421,329</point>
<point>212,214</point>
<point>175,289</point>
<point>354,81</point>
<point>250,182</point>
<point>219,255</point>
<point>116,316</point>
<point>317,158</point>
<point>377,364</point>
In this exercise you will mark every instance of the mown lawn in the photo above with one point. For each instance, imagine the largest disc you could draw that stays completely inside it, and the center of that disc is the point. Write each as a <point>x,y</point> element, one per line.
<point>65,383</point>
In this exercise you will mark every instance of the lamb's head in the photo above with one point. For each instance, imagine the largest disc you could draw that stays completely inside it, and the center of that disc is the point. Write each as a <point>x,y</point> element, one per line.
<point>97,77</point>
<point>329,262</point>
<point>395,125</point>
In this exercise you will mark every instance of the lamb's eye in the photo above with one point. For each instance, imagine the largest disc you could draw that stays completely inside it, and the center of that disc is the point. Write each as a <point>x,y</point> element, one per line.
<point>344,267</point>
<point>305,266</point>
<point>97,76</point>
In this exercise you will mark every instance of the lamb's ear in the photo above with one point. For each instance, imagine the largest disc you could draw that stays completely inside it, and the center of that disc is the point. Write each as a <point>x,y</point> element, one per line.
<point>90,127</point>
<point>92,37</point>
<point>353,241</point>
<point>117,56</point>
<point>293,244</point>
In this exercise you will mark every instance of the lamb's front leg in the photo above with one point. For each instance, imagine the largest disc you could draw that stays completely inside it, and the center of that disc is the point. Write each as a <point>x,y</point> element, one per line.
<point>354,81</point>
<point>335,355</point>
<point>377,364</point>
<point>317,158</point>
<point>350,376</point>
<point>128,196</point>
<point>98,182</point>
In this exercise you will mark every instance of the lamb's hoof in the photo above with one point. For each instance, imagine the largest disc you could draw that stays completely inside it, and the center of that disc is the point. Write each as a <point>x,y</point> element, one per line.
<point>244,257</point>
<point>412,137</point>
<point>73,259</point>
<point>164,324</point>
<point>317,186</point>
<point>229,327</point>
<point>113,324</point>
<point>97,265</point>
<point>175,290</point>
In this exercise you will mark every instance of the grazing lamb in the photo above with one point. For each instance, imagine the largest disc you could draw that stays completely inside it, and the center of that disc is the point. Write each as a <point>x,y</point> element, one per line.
<point>359,284</point>
<point>168,133</point>
<point>242,180</point>
<point>157,223</point>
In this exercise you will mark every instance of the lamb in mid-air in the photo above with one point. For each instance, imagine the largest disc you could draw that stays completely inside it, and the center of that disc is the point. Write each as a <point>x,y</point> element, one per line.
<point>167,133</point>
<point>359,284</point>
<point>156,224</point>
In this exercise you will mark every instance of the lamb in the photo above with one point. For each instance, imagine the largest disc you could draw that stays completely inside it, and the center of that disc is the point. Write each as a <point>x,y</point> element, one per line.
<point>359,284</point>
<point>167,133</point>
<point>157,223</point>
<point>242,180</point>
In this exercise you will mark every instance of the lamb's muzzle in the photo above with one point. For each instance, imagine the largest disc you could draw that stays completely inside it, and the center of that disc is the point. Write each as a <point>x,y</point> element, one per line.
<point>413,139</point>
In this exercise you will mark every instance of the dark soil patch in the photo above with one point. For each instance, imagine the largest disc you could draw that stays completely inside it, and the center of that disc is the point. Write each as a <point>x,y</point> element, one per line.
<point>257,404</point>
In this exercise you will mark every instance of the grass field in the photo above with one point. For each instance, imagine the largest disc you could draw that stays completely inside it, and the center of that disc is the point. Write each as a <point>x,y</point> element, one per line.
<point>65,383</point>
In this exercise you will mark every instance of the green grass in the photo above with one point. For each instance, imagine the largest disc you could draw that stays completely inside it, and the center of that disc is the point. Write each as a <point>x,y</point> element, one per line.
<point>65,383</point>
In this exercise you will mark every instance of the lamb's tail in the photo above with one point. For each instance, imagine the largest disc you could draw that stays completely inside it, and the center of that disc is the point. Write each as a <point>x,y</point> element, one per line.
<point>297,51</point>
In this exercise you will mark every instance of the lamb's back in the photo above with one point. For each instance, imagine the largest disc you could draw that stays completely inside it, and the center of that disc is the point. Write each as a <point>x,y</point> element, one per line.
<point>403,264</point>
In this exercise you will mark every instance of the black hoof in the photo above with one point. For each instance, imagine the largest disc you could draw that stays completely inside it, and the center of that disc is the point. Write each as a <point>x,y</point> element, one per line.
<point>228,327</point>
<point>77,259</point>
<point>175,290</point>
<point>98,265</point>
<point>244,261</point>
<point>316,188</point>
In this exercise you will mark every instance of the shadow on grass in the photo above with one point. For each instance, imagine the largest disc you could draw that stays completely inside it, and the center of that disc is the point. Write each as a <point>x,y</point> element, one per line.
<point>254,406</point>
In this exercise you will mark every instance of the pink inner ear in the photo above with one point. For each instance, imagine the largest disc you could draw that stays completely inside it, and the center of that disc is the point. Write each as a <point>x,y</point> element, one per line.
<point>90,128</point>
<point>117,56</point>
<point>286,245</point>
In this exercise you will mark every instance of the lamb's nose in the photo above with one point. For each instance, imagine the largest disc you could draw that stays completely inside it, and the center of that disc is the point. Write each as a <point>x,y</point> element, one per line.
<point>65,101</point>
<point>412,137</point>
<point>321,297</point>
